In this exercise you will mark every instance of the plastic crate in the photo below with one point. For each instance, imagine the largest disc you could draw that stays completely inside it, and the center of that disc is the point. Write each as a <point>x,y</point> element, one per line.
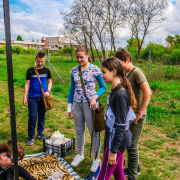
<point>62,149</point>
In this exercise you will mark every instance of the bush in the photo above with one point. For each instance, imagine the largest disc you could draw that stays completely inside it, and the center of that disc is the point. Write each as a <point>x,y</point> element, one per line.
<point>157,51</point>
<point>3,49</point>
<point>31,51</point>
<point>67,50</point>
<point>54,53</point>
<point>169,72</point>
<point>18,49</point>
<point>172,58</point>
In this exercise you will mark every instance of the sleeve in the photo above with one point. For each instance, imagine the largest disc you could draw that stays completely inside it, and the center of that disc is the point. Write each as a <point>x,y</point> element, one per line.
<point>102,85</point>
<point>28,75</point>
<point>49,75</point>
<point>121,113</point>
<point>25,174</point>
<point>139,76</point>
<point>71,91</point>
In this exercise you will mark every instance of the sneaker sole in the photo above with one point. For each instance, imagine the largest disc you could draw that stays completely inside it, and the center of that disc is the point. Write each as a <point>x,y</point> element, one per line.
<point>29,144</point>
<point>77,164</point>
<point>41,138</point>
<point>137,174</point>
<point>97,167</point>
<point>93,170</point>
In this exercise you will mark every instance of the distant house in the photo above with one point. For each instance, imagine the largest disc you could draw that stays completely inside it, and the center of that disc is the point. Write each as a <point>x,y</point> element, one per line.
<point>56,43</point>
<point>24,44</point>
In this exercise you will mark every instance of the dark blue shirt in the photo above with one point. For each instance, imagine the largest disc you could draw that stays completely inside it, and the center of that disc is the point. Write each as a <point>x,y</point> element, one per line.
<point>35,88</point>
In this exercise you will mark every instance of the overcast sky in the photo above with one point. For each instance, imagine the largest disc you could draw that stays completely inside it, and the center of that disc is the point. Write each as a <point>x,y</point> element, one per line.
<point>34,19</point>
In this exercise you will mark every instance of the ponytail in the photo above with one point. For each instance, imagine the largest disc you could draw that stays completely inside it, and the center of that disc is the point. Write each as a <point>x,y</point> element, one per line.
<point>89,58</point>
<point>132,99</point>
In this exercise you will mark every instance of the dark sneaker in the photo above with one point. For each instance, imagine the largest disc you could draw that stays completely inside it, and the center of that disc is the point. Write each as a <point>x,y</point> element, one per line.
<point>138,171</point>
<point>41,136</point>
<point>30,141</point>
<point>126,171</point>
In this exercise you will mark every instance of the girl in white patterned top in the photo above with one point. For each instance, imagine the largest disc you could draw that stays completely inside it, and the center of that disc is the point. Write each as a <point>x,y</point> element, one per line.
<point>82,111</point>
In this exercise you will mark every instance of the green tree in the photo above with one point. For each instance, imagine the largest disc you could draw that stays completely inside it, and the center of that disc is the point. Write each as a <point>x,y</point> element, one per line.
<point>132,46</point>
<point>170,40</point>
<point>132,42</point>
<point>19,38</point>
<point>177,41</point>
<point>173,41</point>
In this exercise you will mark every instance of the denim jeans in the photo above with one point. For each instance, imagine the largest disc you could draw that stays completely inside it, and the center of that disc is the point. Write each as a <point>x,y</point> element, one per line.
<point>133,153</point>
<point>36,108</point>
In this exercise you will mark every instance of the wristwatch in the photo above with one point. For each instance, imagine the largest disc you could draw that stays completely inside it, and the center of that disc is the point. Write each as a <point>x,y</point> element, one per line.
<point>49,91</point>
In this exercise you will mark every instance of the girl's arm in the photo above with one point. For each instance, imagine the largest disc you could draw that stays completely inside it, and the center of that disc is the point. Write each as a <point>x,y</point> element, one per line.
<point>70,97</point>
<point>102,85</point>
<point>100,92</point>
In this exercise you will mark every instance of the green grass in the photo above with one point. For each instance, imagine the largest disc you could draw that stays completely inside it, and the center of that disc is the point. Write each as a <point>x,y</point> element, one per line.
<point>160,139</point>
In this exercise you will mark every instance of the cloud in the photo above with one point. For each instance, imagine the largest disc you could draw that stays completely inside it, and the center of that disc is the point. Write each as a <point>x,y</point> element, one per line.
<point>169,26</point>
<point>34,19</point>
<point>15,8</point>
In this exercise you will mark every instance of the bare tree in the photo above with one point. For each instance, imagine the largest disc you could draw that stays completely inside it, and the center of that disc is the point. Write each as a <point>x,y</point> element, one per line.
<point>141,14</point>
<point>111,13</point>
<point>80,18</point>
<point>93,22</point>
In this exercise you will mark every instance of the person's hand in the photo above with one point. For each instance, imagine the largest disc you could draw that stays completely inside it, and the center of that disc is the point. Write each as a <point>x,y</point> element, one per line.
<point>46,94</point>
<point>138,117</point>
<point>112,158</point>
<point>93,103</point>
<point>25,102</point>
<point>69,115</point>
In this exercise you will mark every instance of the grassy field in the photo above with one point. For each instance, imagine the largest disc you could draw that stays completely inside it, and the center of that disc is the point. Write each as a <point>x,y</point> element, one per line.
<point>160,140</point>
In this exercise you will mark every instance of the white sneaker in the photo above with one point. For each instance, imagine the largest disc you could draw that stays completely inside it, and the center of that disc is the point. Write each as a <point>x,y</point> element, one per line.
<point>77,159</point>
<point>96,163</point>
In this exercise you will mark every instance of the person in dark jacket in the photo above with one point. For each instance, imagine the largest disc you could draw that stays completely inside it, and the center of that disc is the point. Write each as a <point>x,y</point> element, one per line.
<point>7,165</point>
<point>119,112</point>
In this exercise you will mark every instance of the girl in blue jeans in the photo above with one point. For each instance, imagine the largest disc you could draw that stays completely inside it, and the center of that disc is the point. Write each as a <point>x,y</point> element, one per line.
<point>119,112</point>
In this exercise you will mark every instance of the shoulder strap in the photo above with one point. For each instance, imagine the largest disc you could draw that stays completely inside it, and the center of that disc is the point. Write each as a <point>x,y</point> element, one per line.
<point>131,72</point>
<point>82,83</point>
<point>114,94</point>
<point>38,79</point>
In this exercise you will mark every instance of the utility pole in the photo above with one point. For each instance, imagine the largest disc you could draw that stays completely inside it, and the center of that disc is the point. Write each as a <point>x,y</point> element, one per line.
<point>149,63</point>
<point>10,85</point>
